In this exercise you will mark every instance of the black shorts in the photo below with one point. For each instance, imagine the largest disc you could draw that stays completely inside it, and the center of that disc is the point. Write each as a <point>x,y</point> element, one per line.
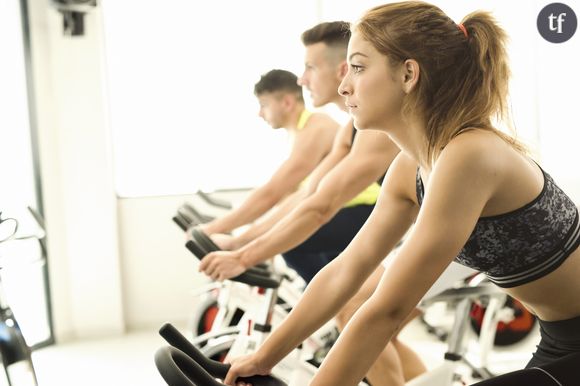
<point>559,339</point>
<point>556,362</point>
<point>328,242</point>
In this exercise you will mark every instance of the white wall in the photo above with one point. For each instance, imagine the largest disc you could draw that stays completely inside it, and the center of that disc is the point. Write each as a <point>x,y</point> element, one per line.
<point>557,107</point>
<point>159,273</point>
<point>77,177</point>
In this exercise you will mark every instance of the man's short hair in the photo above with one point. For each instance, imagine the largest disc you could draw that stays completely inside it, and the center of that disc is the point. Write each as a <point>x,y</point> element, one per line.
<point>335,34</point>
<point>278,80</point>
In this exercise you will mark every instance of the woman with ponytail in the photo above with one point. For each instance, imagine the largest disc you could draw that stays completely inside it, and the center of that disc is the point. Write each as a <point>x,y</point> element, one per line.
<point>438,89</point>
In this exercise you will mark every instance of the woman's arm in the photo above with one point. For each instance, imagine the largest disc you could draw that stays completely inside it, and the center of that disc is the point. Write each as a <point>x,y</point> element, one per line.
<point>339,280</point>
<point>459,187</point>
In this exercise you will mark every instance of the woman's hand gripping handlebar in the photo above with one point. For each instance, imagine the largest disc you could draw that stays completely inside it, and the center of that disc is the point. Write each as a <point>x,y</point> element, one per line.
<point>182,364</point>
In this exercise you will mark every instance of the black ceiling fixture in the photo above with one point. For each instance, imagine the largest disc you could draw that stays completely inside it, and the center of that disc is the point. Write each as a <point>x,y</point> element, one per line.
<point>73,14</point>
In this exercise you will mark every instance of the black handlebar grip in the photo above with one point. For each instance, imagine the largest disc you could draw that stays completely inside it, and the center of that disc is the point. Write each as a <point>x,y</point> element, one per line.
<point>198,368</point>
<point>186,216</point>
<point>199,217</point>
<point>248,277</point>
<point>206,244</point>
<point>200,253</point>
<point>204,240</point>
<point>177,340</point>
<point>180,222</point>
<point>201,245</point>
<point>214,201</point>
<point>177,369</point>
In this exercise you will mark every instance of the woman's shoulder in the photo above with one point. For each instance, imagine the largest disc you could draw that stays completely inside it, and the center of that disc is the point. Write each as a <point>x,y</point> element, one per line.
<point>477,151</point>
<point>476,144</point>
<point>476,137</point>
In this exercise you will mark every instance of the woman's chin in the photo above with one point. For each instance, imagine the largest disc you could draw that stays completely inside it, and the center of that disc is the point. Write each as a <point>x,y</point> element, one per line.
<point>359,124</point>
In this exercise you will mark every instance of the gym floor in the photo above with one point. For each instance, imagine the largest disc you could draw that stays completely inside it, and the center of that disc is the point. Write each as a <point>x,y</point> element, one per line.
<point>128,360</point>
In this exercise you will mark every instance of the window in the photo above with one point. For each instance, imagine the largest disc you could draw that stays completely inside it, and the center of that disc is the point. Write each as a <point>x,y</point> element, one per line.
<point>181,77</point>
<point>23,273</point>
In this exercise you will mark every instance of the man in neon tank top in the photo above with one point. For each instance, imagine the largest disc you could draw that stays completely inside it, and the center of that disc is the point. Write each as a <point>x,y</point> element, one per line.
<point>316,226</point>
<point>312,134</point>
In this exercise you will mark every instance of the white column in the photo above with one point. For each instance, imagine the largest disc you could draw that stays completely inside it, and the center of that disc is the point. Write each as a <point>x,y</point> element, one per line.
<point>77,175</point>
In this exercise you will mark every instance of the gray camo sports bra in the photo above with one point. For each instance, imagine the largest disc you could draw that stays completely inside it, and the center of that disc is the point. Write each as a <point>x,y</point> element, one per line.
<point>525,244</point>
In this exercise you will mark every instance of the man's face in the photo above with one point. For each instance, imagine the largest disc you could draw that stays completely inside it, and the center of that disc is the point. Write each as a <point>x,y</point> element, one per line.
<point>321,75</point>
<point>272,109</point>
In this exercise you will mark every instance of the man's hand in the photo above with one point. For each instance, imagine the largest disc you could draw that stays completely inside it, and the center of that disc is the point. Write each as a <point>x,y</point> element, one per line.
<point>224,241</point>
<point>222,265</point>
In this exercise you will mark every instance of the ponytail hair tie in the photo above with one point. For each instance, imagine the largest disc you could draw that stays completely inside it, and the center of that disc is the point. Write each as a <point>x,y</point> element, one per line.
<point>462,28</point>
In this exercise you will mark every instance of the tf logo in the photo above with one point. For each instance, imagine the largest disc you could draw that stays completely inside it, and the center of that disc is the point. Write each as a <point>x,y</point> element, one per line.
<point>557,22</point>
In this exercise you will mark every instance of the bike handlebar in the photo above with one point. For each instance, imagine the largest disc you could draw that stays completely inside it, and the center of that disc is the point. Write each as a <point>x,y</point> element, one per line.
<point>184,365</point>
<point>250,277</point>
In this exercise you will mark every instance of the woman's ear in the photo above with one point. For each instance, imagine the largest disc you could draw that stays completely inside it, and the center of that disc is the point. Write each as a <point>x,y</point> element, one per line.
<point>410,75</point>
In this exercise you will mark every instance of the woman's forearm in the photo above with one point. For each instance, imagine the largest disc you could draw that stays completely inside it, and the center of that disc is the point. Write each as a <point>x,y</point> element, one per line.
<point>357,348</point>
<point>324,297</point>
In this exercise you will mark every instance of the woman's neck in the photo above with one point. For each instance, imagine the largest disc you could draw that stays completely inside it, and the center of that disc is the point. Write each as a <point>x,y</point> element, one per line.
<point>410,138</point>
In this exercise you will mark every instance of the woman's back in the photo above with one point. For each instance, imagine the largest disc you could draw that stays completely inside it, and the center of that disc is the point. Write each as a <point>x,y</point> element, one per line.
<point>528,220</point>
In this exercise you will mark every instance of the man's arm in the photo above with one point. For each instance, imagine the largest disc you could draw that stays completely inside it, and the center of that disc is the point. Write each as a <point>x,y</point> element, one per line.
<point>311,145</point>
<point>340,149</point>
<point>266,223</point>
<point>371,154</point>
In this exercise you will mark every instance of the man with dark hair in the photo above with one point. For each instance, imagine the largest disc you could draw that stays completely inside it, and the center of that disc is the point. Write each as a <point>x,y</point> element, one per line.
<point>278,81</point>
<point>312,135</point>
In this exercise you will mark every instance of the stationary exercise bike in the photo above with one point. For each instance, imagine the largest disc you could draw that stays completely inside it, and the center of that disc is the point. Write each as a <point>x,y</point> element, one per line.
<point>445,374</point>
<point>16,355</point>
<point>182,364</point>
<point>478,288</point>
<point>222,305</point>
<point>263,311</point>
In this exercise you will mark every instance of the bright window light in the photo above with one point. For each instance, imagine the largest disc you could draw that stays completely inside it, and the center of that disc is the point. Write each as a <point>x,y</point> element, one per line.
<point>180,83</point>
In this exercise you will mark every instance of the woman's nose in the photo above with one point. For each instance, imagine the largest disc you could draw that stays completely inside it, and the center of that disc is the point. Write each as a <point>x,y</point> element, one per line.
<point>343,89</point>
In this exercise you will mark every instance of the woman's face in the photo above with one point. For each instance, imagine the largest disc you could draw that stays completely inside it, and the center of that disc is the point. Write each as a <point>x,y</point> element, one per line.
<point>372,88</point>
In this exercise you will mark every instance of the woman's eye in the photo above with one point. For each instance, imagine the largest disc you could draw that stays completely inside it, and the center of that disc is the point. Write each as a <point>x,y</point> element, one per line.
<point>356,69</point>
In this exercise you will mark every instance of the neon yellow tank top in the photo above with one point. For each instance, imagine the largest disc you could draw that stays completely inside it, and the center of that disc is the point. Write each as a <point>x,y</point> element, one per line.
<point>304,116</point>
<point>368,196</point>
